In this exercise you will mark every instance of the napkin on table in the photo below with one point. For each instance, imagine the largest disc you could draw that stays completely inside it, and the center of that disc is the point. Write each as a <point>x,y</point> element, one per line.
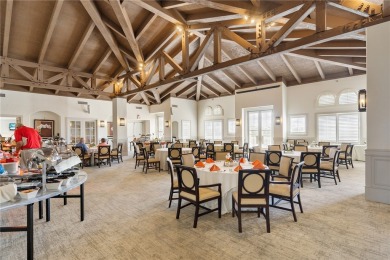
<point>256,162</point>
<point>8,192</point>
<point>242,160</point>
<point>209,160</point>
<point>214,168</point>
<point>238,168</point>
<point>259,166</point>
<point>200,164</point>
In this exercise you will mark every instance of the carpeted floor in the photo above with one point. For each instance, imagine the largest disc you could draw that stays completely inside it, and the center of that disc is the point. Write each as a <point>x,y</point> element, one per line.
<point>127,217</point>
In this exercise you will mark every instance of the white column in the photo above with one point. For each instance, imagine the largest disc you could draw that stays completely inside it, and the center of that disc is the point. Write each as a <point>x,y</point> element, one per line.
<point>119,110</point>
<point>378,114</point>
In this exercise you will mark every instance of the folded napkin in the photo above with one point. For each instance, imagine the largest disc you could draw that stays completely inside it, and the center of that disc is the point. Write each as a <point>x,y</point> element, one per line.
<point>259,166</point>
<point>8,192</point>
<point>214,168</point>
<point>209,160</point>
<point>242,160</point>
<point>238,168</point>
<point>256,162</point>
<point>200,164</point>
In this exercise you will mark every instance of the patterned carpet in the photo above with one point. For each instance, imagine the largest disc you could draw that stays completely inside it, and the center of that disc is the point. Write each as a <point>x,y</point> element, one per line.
<point>127,217</point>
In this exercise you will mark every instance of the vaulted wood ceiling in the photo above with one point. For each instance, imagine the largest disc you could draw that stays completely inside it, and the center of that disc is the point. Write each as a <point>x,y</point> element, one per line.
<point>147,50</point>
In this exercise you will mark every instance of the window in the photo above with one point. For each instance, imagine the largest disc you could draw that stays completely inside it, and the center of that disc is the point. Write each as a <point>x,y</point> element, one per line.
<point>338,128</point>
<point>209,111</point>
<point>218,111</point>
<point>326,100</point>
<point>297,124</point>
<point>90,132</point>
<point>160,127</point>
<point>213,129</point>
<point>186,129</point>
<point>231,126</point>
<point>348,97</point>
<point>82,128</point>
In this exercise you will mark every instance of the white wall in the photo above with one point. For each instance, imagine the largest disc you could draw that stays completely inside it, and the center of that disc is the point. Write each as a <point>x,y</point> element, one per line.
<point>165,108</point>
<point>4,126</point>
<point>303,100</point>
<point>185,110</point>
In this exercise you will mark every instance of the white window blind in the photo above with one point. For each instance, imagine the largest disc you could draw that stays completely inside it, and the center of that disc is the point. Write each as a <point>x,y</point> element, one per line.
<point>327,130</point>
<point>326,100</point>
<point>231,126</point>
<point>208,129</point>
<point>348,97</point>
<point>217,129</point>
<point>297,124</point>
<point>348,125</point>
<point>186,129</point>
<point>213,129</point>
<point>160,126</point>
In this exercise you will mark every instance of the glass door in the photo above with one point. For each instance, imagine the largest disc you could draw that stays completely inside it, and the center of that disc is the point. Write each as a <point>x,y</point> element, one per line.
<point>260,128</point>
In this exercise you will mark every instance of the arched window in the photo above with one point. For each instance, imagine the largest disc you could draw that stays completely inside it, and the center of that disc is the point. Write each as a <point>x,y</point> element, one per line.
<point>218,111</point>
<point>348,97</point>
<point>209,111</point>
<point>326,100</point>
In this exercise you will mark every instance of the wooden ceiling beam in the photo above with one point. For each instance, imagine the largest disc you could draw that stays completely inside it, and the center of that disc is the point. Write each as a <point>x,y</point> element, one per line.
<point>7,26</point>
<point>296,19</point>
<point>102,60</point>
<point>340,44</point>
<point>173,4</point>
<point>200,78</point>
<point>81,44</point>
<point>127,28</point>
<point>319,69</point>
<point>321,7</point>
<point>97,19</point>
<point>315,39</point>
<point>213,90</point>
<point>154,7</point>
<point>240,41</point>
<point>201,50</point>
<point>145,25</point>
<point>50,29</point>
<point>185,89</point>
<point>267,69</point>
<point>145,98</point>
<point>191,95</point>
<point>242,70</point>
<point>170,89</point>
<point>347,9</point>
<point>291,68</point>
<point>238,7</point>
<point>170,37</point>
<point>221,84</point>
<point>212,16</point>
<point>342,53</point>
<point>173,63</point>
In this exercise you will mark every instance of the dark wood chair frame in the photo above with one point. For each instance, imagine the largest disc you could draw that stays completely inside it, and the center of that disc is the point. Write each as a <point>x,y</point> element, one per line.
<point>209,150</point>
<point>173,188</point>
<point>265,175</point>
<point>196,153</point>
<point>118,154</point>
<point>331,174</point>
<point>170,156</point>
<point>100,154</point>
<point>315,166</point>
<point>245,151</point>
<point>324,155</point>
<point>194,190</point>
<point>347,156</point>
<point>154,164</point>
<point>270,162</point>
<point>139,156</point>
<point>82,154</point>
<point>293,184</point>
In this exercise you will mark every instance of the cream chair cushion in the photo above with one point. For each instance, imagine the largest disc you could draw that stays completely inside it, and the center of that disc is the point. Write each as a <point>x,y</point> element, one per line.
<point>204,194</point>
<point>281,189</point>
<point>309,170</point>
<point>114,153</point>
<point>342,156</point>
<point>328,166</point>
<point>247,201</point>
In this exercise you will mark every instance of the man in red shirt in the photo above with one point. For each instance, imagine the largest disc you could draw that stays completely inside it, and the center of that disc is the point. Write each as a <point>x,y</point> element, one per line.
<point>28,140</point>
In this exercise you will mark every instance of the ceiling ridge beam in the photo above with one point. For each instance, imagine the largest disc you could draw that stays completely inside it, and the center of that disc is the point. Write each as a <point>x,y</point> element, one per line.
<point>97,19</point>
<point>124,21</point>
<point>7,26</point>
<point>50,29</point>
<point>81,44</point>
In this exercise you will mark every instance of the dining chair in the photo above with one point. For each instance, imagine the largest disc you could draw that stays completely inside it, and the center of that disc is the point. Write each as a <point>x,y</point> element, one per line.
<point>150,163</point>
<point>188,160</point>
<point>116,153</point>
<point>209,150</point>
<point>300,148</point>
<point>229,147</point>
<point>139,156</point>
<point>217,142</point>
<point>196,153</point>
<point>311,166</point>
<point>303,143</point>
<point>326,151</point>
<point>195,194</point>
<point>274,147</point>
<point>104,153</point>
<point>323,143</point>
<point>235,142</point>
<point>252,192</point>
<point>285,168</point>
<point>329,169</point>
<point>242,152</point>
<point>177,145</point>
<point>220,155</point>
<point>155,147</point>
<point>192,143</point>
<point>84,157</point>
<point>253,156</point>
<point>174,182</point>
<point>273,160</point>
<point>175,155</point>
<point>345,157</point>
<point>287,191</point>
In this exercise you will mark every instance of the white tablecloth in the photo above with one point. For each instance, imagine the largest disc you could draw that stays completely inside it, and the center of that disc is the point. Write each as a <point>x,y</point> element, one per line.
<point>227,177</point>
<point>162,155</point>
<point>293,154</point>
<point>359,152</point>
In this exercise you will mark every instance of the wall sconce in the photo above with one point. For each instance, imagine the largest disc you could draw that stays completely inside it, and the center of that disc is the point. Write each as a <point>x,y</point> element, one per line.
<point>167,123</point>
<point>362,100</point>
<point>121,121</point>
<point>277,120</point>
<point>101,123</point>
<point>238,122</point>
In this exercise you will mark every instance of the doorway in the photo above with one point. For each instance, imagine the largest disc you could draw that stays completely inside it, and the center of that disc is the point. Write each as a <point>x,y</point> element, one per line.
<point>259,128</point>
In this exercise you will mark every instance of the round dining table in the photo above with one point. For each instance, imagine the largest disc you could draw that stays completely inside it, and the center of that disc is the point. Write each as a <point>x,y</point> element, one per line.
<point>162,155</point>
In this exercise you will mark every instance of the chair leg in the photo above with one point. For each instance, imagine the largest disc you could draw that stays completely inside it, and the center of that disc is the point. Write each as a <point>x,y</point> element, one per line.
<point>239,219</point>
<point>338,175</point>
<point>170,197</point>
<point>293,209</point>
<point>258,212</point>
<point>219,206</point>
<point>178,208</point>
<point>267,220</point>
<point>352,163</point>
<point>334,177</point>
<point>319,179</point>
<point>196,216</point>
<point>135,166</point>
<point>299,202</point>
<point>233,208</point>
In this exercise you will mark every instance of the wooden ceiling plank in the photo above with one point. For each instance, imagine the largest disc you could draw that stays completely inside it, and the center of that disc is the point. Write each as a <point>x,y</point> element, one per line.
<point>170,89</point>
<point>319,68</point>
<point>342,53</point>
<point>321,7</point>
<point>340,44</point>
<point>240,41</point>
<point>267,69</point>
<point>115,28</point>
<point>154,7</point>
<point>239,7</point>
<point>201,50</point>
<point>50,29</point>
<point>94,14</point>
<point>173,63</point>
<point>240,68</point>
<point>235,82</point>
<point>185,89</point>
<point>170,37</point>
<point>296,19</point>
<point>200,78</point>
<point>145,25</point>
<point>81,44</point>
<point>127,28</point>
<point>151,72</point>
<point>291,68</point>
<point>221,84</point>
<point>7,26</point>
<point>213,90</point>
<point>145,98</point>
<point>101,61</point>
<point>314,39</point>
